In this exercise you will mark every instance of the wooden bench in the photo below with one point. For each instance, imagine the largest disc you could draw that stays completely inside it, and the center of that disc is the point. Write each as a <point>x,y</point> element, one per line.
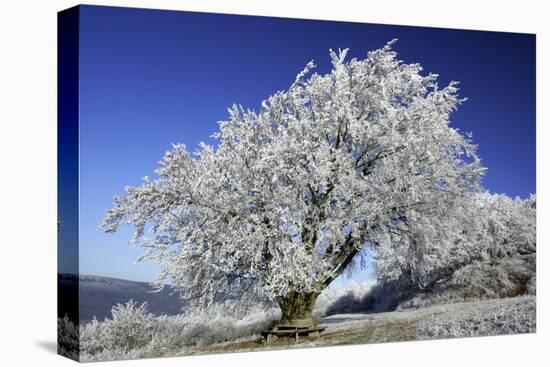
<point>293,329</point>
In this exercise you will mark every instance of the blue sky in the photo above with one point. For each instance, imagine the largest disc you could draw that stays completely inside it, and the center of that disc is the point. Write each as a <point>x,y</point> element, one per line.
<point>152,78</point>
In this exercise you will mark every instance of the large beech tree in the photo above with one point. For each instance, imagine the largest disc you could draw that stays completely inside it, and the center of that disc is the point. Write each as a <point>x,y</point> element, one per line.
<point>295,193</point>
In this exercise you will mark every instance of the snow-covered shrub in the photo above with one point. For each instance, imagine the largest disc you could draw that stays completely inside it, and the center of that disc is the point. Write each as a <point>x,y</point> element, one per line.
<point>340,299</point>
<point>133,332</point>
<point>67,338</point>
<point>325,300</point>
<point>507,278</point>
<point>486,250</point>
<point>132,326</point>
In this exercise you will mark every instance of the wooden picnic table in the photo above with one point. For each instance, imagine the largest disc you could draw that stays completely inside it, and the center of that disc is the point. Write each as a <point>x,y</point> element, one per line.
<point>294,329</point>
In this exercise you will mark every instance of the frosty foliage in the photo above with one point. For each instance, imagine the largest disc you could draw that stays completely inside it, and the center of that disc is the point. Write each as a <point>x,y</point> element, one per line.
<point>67,338</point>
<point>133,332</point>
<point>490,253</point>
<point>130,327</point>
<point>295,192</point>
<point>340,299</point>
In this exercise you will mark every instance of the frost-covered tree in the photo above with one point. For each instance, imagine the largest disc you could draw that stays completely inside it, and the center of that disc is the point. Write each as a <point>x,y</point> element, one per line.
<point>293,194</point>
<point>484,242</point>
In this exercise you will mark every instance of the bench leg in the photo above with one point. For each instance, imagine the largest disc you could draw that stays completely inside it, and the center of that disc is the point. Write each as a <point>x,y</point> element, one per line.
<point>314,334</point>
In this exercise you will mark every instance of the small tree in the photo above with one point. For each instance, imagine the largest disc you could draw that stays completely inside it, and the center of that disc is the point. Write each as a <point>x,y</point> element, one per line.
<point>480,235</point>
<point>294,194</point>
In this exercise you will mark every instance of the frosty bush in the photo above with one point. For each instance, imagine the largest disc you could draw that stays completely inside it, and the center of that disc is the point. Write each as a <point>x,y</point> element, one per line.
<point>490,254</point>
<point>343,299</point>
<point>133,332</point>
<point>508,277</point>
<point>67,338</point>
<point>131,327</point>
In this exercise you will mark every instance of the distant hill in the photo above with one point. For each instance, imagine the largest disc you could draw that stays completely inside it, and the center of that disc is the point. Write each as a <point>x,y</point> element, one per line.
<point>99,294</point>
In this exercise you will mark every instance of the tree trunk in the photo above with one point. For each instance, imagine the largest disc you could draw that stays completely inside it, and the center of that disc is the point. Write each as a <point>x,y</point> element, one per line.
<point>297,307</point>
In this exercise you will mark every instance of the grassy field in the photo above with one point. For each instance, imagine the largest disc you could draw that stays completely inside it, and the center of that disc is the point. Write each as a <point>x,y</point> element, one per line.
<point>464,319</point>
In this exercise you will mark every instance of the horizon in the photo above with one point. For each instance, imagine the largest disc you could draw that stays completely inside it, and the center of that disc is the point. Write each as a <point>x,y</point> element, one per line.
<point>141,91</point>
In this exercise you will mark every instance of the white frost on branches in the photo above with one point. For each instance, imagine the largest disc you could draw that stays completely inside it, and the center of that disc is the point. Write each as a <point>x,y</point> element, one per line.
<point>294,193</point>
<point>480,232</point>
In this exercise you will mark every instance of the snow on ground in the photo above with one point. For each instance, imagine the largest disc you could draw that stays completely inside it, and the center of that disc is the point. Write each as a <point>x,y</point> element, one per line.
<point>463,319</point>
<point>517,311</point>
<point>135,333</point>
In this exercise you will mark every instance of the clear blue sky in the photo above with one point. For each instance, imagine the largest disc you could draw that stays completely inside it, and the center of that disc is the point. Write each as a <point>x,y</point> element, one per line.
<point>152,78</point>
